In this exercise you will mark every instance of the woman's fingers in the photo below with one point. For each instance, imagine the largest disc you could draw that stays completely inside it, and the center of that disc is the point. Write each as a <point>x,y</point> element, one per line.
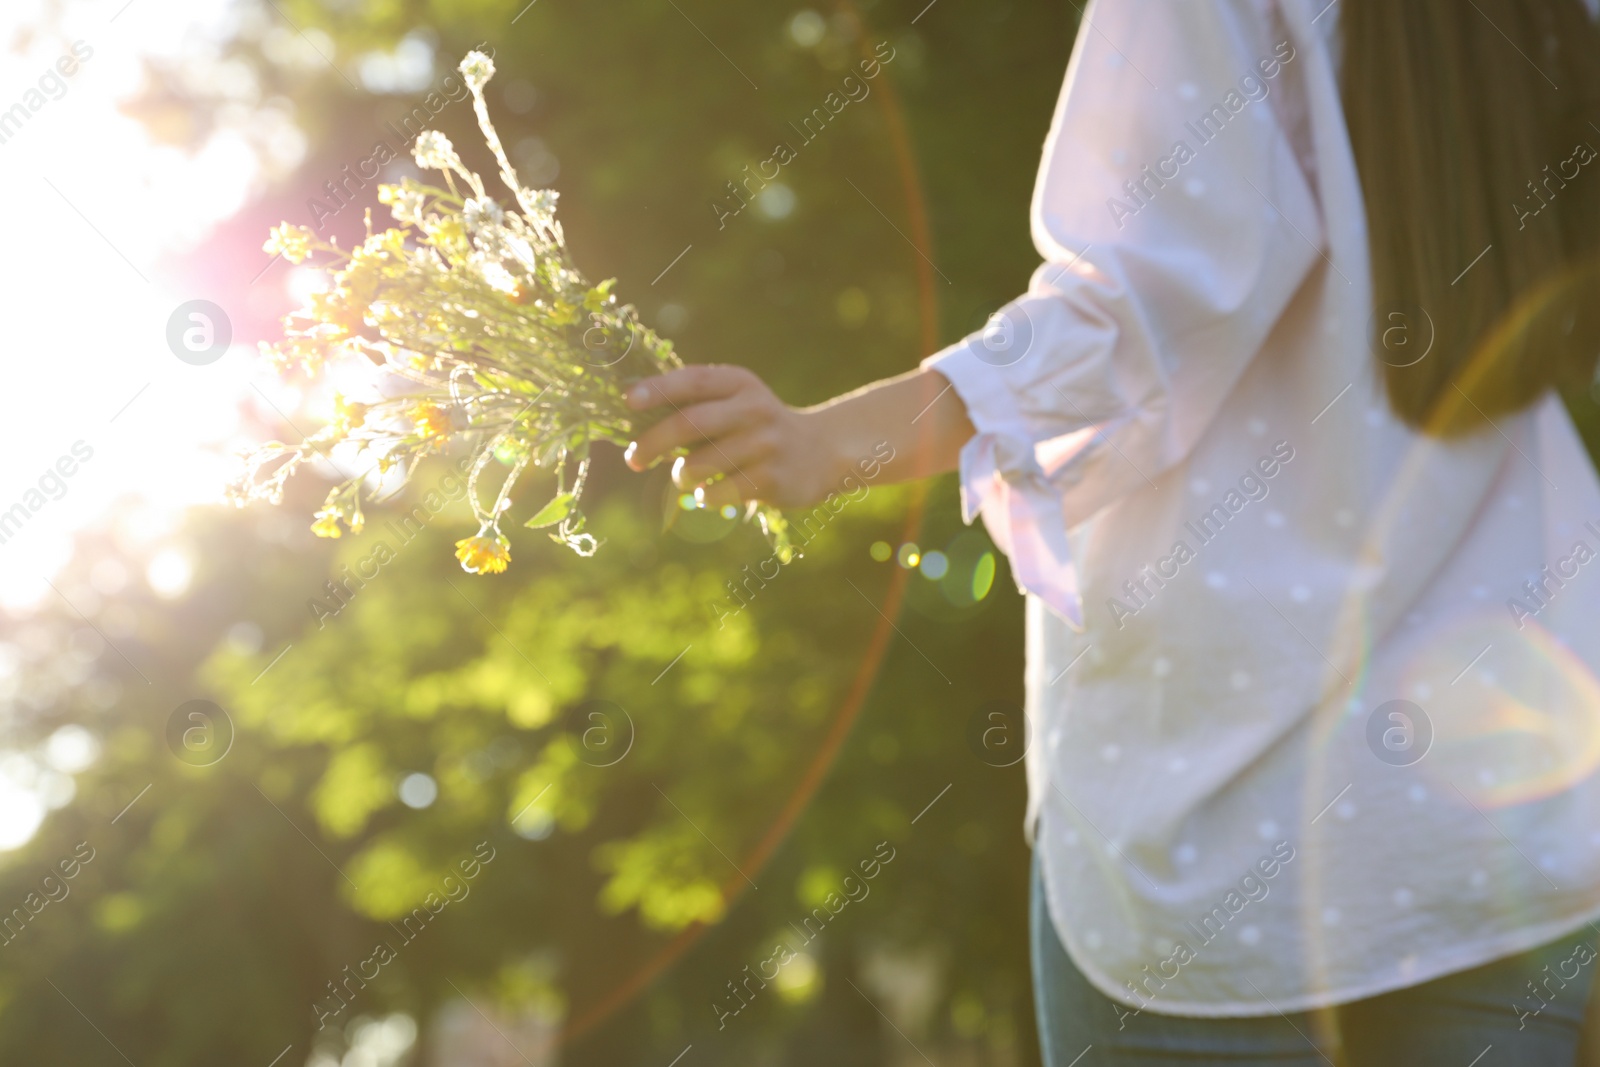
<point>688,426</point>
<point>691,385</point>
<point>736,457</point>
<point>726,416</point>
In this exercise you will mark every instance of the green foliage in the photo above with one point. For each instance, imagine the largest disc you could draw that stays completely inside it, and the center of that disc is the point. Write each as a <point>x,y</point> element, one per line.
<point>223,901</point>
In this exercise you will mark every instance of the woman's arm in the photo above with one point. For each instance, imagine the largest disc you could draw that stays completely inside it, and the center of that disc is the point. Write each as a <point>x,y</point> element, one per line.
<point>734,425</point>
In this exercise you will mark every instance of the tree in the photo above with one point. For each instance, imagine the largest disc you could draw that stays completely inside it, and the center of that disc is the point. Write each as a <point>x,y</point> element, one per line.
<point>795,735</point>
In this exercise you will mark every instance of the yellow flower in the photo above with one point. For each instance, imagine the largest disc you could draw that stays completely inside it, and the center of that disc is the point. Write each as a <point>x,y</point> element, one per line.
<point>431,420</point>
<point>327,524</point>
<point>483,555</point>
<point>444,230</point>
<point>348,414</point>
<point>291,242</point>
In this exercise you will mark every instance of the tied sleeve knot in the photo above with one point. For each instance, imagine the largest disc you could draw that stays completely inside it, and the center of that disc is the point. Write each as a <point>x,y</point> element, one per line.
<point>1001,479</point>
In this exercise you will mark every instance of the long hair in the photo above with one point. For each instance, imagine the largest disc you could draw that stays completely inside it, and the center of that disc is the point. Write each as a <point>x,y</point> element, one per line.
<point>1476,131</point>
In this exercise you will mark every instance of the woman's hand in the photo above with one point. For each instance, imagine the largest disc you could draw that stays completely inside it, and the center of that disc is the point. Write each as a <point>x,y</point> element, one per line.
<point>736,427</point>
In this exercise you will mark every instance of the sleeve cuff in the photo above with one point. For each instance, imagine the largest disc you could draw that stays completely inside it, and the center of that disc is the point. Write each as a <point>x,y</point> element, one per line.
<point>976,372</point>
<point>970,368</point>
<point>1001,479</point>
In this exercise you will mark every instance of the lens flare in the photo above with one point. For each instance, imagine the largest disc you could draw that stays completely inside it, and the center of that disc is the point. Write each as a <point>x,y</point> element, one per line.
<point>1511,729</point>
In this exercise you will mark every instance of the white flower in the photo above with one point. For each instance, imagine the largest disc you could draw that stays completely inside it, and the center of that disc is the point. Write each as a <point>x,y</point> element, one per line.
<point>409,206</point>
<point>495,273</point>
<point>479,213</point>
<point>477,68</point>
<point>518,248</point>
<point>433,151</point>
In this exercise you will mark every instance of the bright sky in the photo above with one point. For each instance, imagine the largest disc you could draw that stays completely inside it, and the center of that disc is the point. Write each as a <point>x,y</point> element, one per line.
<point>94,208</point>
<point>97,211</point>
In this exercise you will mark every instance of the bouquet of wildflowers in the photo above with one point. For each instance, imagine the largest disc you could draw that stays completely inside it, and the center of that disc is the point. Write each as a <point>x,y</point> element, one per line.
<point>501,342</point>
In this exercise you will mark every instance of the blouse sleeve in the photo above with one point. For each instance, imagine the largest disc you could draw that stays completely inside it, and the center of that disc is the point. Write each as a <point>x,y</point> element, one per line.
<point>1176,224</point>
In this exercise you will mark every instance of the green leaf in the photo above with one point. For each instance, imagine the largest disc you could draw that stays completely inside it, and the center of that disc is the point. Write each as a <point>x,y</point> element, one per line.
<point>553,512</point>
<point>597,297</point>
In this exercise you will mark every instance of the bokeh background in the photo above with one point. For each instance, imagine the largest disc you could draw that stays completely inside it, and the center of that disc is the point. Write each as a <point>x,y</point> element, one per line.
<point>665,799</point>
<point>574,806</point>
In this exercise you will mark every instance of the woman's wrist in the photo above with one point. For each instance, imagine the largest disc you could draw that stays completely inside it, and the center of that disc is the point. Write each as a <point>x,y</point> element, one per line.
<point>839,435</point>
<point>917,418</point>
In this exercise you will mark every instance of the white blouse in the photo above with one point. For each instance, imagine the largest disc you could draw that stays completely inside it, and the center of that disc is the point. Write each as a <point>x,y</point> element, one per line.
<point>1237,559</point>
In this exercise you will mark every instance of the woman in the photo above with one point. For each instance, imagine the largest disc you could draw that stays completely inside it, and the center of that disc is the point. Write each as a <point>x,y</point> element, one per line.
<point>1273,447</point>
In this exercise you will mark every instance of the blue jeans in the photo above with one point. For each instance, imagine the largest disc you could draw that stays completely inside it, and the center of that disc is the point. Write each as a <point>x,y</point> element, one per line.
<point>1449,1022</point>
